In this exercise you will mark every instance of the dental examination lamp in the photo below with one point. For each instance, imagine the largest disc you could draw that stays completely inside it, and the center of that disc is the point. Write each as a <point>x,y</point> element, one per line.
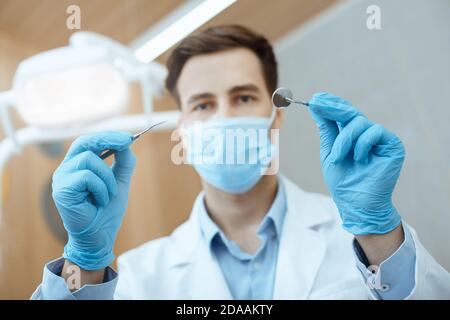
<point>81,88</point>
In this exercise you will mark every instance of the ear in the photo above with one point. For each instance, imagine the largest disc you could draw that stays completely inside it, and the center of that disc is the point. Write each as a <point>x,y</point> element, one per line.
<point>180,133</point>
<point>181,119</point>
<point>279,117</point>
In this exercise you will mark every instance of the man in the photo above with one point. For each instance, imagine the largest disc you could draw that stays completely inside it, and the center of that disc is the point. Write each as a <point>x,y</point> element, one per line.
<point>250,235</point>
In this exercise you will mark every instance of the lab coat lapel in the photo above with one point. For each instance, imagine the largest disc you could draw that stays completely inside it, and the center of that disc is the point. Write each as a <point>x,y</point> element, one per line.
<point>203,278</point>
<point>302,248</point>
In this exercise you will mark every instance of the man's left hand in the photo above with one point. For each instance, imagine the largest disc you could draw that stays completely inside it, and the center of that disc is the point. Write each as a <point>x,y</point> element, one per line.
<point>361,162</point>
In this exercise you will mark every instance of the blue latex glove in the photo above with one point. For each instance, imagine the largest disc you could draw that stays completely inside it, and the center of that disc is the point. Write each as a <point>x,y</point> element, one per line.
<point>91,197</point>
<point>361,162</point>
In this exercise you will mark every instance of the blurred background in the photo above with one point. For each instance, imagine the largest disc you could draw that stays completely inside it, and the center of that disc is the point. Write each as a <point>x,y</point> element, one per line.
<point>397,73</point>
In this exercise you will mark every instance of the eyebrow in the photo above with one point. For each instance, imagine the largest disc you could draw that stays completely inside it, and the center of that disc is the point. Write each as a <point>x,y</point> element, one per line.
<point>200,96</point>
<point>244,87</point>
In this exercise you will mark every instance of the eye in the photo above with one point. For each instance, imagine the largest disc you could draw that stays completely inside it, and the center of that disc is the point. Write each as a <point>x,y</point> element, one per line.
<point>202,107</point>
<point>245,99</point>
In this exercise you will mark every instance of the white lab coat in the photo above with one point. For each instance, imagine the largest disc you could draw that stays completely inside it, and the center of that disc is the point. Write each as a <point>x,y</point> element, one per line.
<point>316,260</point>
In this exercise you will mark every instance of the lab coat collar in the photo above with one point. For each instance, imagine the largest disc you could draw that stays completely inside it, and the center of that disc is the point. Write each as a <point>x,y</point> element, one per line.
<point>309,211</point>
<point>301,251</point>
<point>203,278</point>
<point>302,246</point>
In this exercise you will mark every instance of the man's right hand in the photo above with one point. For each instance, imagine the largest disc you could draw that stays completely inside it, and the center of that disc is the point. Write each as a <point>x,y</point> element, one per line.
<point>91,197</point>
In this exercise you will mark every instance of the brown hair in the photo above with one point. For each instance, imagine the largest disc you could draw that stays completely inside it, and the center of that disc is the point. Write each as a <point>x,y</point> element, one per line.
<point>221,38</point>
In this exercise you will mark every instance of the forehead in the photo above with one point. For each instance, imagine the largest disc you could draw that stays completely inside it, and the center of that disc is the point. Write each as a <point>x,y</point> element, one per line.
<point>218,72</point>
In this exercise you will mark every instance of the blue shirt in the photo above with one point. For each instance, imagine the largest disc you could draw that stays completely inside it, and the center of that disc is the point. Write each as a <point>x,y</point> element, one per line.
<point>250,276</point>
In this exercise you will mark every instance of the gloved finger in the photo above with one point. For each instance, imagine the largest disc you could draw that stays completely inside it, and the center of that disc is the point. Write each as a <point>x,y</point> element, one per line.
<point>88,160</point>
<point>98,142</point>
<point>376,134</point>
<point>393,149</point>
<point>328,131</point>
<point>347,137</point>
<point>331,107</point>
<point>124,164</point>
<point>86,180</point>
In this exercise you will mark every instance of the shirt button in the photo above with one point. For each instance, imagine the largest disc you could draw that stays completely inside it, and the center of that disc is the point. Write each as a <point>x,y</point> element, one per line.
<point>385,287</point>
<point>257,266</point>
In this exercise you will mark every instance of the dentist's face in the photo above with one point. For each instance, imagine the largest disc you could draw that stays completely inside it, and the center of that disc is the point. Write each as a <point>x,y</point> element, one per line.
<point>224,84</point>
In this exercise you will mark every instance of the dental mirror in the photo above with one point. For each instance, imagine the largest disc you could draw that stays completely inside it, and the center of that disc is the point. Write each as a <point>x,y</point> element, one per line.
<point>283,97</point>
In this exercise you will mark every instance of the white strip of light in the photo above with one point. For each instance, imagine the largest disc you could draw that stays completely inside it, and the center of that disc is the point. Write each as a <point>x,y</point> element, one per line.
<point>179,29</point>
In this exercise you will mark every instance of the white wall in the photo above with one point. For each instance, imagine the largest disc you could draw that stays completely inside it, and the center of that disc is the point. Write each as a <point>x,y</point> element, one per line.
<point>398,76</point>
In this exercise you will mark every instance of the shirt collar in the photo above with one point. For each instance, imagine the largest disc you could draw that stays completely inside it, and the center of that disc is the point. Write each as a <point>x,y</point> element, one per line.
<point>273,219</point>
